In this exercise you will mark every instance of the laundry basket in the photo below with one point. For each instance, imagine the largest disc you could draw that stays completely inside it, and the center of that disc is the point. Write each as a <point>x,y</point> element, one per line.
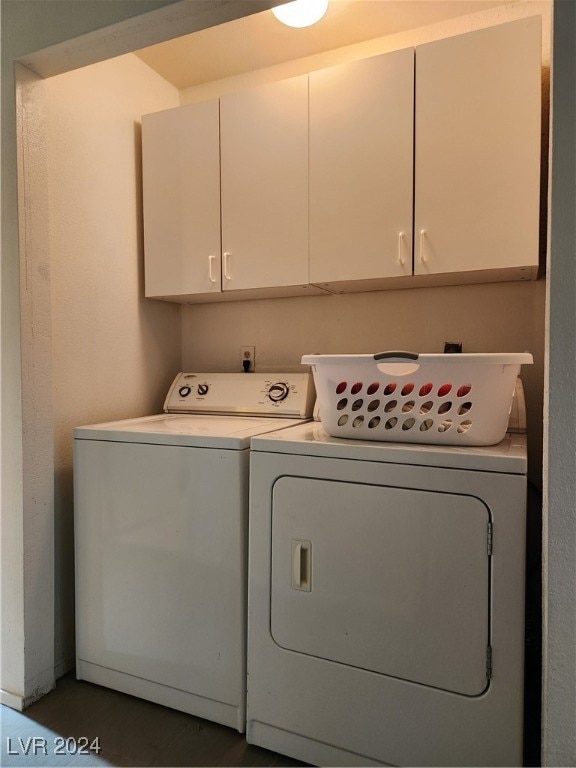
<point>458,399</point>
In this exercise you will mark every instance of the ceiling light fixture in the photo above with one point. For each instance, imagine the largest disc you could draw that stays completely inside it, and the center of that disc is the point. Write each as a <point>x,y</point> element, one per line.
<point>300,13</point>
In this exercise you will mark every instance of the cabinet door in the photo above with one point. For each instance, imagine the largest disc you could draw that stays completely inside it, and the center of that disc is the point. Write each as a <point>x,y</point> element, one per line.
<point>181,187</point>
<point>361,169</point>
<point>264,146</point>
<point>478,151</point>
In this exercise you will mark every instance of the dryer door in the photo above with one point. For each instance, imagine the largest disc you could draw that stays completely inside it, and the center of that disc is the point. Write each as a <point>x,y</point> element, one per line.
<point>391,580</point>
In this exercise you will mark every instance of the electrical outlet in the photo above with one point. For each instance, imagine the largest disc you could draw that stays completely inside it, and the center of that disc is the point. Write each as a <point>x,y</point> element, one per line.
<point>248,359</point>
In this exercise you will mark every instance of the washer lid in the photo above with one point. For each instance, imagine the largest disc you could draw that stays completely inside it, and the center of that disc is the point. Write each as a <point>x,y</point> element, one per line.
<point>311,439</point>
<point>232,432</point>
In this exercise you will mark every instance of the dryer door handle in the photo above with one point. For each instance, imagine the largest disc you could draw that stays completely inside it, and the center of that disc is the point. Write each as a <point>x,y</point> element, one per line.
<point>302,565</point>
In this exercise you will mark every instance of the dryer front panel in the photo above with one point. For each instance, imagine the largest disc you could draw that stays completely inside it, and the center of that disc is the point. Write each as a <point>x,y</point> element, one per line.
<point>391,580</point>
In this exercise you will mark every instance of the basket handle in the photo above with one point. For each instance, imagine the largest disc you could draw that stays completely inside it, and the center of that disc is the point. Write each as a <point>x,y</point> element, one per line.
<point>396,356</point>
<point>397,363</point>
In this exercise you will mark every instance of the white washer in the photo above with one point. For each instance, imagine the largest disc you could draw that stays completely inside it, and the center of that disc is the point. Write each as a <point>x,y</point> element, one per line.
<point>386,600</point>
<point>161,516</point>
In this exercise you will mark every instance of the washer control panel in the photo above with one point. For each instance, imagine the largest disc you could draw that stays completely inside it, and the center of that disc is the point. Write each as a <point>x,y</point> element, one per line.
<point>274,394</point>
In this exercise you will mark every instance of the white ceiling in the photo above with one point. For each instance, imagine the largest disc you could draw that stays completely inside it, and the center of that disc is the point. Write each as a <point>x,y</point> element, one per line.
<point>258,41</point>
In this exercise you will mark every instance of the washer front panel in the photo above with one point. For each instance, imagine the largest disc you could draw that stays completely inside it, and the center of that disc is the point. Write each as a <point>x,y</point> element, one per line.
<point>397,579</point>
<point>160,544</point>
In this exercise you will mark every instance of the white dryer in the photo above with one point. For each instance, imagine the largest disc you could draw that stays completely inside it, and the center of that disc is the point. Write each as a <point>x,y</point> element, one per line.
<point>161,517</point>
<point>386,600</point>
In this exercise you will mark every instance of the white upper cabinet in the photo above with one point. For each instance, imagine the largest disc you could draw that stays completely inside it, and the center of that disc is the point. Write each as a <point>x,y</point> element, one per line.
<point>477,179</point>
<point>264,164</point>
<point>181,190</point>
<point>416,167</point>
<point>361,169</point>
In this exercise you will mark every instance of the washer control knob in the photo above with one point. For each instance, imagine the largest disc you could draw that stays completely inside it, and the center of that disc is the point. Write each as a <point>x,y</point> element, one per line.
<point>203,389</point>
<point>278,392</point>
<point>184,391</point>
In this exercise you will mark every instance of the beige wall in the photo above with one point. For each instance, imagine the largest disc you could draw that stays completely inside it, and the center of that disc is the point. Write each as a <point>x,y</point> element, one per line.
<point>114,353</point>
<point>505,317</point>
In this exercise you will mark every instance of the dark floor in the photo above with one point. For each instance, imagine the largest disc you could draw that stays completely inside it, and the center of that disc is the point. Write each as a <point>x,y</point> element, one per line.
<point>77,718</point>
<point>129,732</point>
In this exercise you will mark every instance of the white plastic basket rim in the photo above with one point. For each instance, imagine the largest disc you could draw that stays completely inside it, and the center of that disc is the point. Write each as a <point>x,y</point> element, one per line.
<point>495,358</point>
